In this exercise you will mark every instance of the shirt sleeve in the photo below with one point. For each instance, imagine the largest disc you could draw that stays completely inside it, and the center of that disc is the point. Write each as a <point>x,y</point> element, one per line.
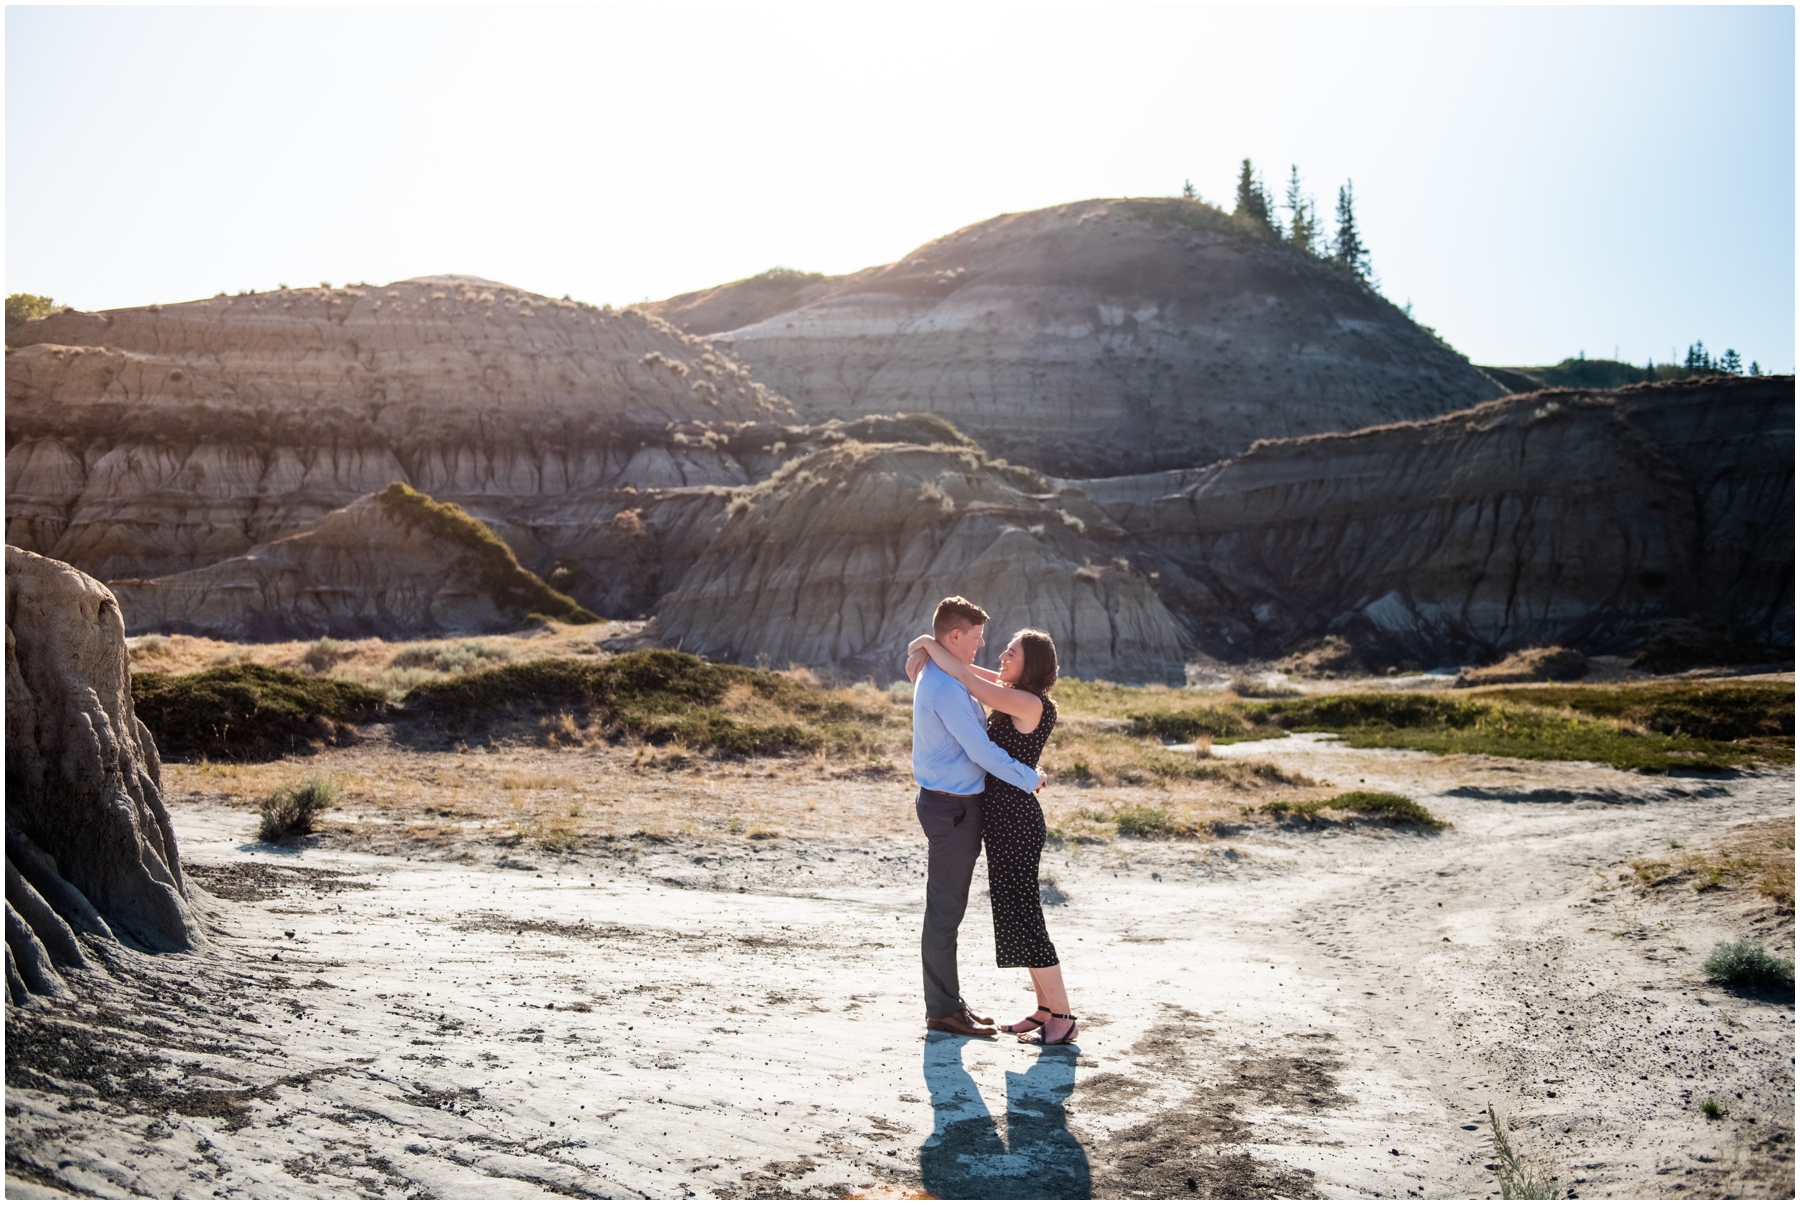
<point>966,730</point>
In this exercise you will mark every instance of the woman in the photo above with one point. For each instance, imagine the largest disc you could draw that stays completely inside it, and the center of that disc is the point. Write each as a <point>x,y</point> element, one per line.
<point>1023,716</point>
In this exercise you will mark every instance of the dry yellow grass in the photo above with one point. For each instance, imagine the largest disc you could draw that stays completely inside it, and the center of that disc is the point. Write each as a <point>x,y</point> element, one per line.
<point>564,797</point>
<point>394,667</point>
<point>1758,856</point>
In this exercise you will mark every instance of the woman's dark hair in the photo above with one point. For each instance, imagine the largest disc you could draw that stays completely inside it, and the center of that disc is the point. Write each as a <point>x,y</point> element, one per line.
<point>1038,652</point>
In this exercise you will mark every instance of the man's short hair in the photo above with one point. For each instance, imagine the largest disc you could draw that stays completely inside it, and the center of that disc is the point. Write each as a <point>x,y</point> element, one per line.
<point>956,612</point>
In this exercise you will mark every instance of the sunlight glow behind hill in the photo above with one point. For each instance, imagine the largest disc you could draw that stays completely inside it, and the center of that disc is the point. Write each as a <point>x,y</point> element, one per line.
<point>1536,181</point>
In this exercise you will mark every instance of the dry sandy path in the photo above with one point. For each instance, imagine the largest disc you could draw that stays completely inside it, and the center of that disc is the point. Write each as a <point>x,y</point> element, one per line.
<point>1278,1013</point>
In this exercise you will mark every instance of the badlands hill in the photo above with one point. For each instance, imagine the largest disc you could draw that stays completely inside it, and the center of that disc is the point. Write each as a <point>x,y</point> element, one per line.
<point>217,462</point>
<point>395,564</point>
<point>1561,518</point>
<point>1582,519</point>
<point>149,441</point>
<point>1090,339</point>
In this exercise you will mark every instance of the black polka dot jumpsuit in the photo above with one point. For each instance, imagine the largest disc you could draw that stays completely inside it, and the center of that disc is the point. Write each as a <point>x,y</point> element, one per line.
<point>1012,826</point>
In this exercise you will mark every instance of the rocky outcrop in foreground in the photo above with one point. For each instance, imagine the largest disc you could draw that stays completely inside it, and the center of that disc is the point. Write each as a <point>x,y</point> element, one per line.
<point>1566,518</point>
<point>1107,336</point>
<point>89,848</point>
<point>394,564</point>
<point>840,557</point>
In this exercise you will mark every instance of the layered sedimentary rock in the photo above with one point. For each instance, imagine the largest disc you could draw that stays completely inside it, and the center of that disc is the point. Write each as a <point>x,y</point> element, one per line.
<point>840,557</point>
<point>1559,518</point>
<point>89,847</point>
<point>393,564</point>
<point>151,441</point>
<point>1103,337</point>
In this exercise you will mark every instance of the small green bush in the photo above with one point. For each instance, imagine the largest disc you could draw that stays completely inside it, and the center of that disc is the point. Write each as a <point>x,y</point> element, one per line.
<point>1397,808</point>
<point>23,307</point>
<point>1141,821</point>
<point>1745,964</point>
<point>247,712</point>
<point>451,657</point>
<point>292,810</point>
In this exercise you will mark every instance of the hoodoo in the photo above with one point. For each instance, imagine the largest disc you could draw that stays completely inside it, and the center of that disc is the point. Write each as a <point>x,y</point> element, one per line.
<point>89,847</point>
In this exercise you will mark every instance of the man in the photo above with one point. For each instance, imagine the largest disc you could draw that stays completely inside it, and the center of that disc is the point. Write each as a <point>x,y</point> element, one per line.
<point>951,755</point>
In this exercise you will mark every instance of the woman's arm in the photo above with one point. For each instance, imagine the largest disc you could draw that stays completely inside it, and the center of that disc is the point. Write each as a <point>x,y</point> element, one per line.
<point>1022,705</point>
<point>915,662</point>
<point>917,649</point>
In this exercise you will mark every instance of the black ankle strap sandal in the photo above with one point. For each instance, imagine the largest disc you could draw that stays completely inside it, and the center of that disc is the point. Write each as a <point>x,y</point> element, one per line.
<point>1068,1039</point>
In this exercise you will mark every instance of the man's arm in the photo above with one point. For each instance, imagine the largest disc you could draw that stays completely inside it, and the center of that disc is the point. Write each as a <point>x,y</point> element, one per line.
<point>966,730</point>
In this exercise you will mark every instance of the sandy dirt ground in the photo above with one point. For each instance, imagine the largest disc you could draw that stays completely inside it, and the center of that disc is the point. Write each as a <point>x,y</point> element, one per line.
<point>726,1004</point>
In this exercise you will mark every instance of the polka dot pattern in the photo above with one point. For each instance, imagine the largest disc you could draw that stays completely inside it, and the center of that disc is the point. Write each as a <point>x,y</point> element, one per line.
<point>1012,826</point>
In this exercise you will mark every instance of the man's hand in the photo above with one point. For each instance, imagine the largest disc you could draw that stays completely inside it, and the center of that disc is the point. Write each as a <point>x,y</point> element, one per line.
<point>1043,780</point>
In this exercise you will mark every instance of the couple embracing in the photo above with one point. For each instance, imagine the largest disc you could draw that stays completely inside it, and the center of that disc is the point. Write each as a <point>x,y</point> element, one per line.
<point>978,780</point>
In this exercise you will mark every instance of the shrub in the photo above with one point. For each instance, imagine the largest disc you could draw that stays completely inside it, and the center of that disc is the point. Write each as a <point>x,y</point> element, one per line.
<point>1745,964</point>
<point>294,809</point>
<point>321,655</point>
<point>656,696</point>
<point>247,712</point>
<point>23,307</point>
<point>451,657</point>
<point>1141,821</point>
<point>1396,808</point>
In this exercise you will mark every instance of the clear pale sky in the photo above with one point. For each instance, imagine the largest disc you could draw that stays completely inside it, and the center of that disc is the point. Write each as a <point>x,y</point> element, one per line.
<point>1537,182</point>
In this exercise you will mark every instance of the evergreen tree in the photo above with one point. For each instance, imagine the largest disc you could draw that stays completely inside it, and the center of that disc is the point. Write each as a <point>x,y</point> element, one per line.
<point>1755,369</point>
<point>1731,362</point>
<point>1303,222</point>
<point>1698,358</point>
<point>1349,251</point>
<point>1252,199</point>
<point>1187,191</point>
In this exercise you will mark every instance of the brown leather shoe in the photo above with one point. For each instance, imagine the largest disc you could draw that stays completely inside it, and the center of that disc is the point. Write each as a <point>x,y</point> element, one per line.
<point>970,1014</point>
<point>959,1023</point>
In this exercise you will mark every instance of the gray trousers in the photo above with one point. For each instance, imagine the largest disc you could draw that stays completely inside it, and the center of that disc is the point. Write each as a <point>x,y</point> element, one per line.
<point>952,825</point>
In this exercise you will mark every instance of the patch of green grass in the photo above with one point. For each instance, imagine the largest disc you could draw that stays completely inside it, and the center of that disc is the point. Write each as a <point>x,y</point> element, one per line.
<point>1141,821</point>
<point>1713,1109</point>
<point>292,810</point>
<point>1725,711</point>
<point>247,712</point>
<point>659,696</point>
<point>1224,723</point>
<point>1396,808</point>
<point>484,559</point>
<point>1501,725</point>
<point>1745,964</point>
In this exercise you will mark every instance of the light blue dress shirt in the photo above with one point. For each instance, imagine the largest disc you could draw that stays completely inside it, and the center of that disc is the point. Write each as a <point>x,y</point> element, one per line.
<point>951,748</point>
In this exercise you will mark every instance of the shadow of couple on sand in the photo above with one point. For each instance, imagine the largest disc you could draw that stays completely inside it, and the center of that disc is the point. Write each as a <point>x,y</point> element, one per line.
<point>967,1154</point>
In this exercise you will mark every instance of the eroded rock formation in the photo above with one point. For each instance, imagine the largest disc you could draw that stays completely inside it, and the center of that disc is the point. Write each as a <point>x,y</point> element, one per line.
<point>840,557</point>
<point>1102,337</point>
<point>151,441</point>
<point>89,848</point>
<point>393,564</point>
<point>1560,518</point>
